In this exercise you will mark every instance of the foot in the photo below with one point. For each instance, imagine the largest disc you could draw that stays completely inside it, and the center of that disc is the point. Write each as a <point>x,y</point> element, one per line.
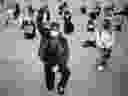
<point>60,91</point>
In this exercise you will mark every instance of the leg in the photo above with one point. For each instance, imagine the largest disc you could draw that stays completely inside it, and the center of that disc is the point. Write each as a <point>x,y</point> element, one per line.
<point>49,77</point>
<point>64,79</point>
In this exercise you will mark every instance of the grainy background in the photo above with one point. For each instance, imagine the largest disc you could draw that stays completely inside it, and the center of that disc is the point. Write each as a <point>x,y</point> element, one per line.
<point>23,79</point>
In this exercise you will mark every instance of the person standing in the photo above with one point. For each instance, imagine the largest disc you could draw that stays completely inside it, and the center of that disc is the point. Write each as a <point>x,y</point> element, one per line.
<point>53,51</point>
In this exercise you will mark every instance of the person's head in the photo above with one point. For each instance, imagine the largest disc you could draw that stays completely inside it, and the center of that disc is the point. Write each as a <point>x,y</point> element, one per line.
<point>45,13</point>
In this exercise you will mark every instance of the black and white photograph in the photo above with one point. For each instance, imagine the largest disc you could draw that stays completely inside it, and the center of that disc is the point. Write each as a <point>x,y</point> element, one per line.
<point>63,47</point>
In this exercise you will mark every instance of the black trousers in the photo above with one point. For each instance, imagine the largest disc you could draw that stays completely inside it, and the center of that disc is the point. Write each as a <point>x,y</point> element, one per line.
<point>50,76</point>
<point>50,60</point>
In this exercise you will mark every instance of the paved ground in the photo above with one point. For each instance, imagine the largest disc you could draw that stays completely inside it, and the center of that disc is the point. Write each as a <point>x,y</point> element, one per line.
<point>18,79</point>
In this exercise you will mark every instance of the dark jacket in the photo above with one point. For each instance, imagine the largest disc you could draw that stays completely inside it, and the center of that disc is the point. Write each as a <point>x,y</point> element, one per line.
<point>54,53</point>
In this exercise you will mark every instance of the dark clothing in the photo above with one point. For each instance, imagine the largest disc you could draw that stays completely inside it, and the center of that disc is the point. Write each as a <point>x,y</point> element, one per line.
<point>28,35</point>
<point>83,9</point>
<point>17,11</point>
<point>52,55</point>
<point>53,51</point>
<point>92,15</point>
<point>68,28</point>
<point>49,76</point>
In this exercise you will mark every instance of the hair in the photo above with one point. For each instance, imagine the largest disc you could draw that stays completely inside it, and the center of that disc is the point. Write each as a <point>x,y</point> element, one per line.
<point>44,10</point>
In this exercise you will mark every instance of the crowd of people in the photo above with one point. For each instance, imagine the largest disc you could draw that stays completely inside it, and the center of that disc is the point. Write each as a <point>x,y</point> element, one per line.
<point>103,36</point>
